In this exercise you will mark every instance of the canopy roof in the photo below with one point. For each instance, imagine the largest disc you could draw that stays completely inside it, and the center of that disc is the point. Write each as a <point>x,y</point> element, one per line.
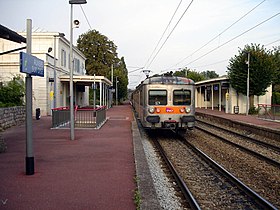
<point>86,79</point>
<point>8,34</point>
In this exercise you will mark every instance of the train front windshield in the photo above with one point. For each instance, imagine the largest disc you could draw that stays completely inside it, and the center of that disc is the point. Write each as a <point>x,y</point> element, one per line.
<point>182,97</point>
<point>157,97</point>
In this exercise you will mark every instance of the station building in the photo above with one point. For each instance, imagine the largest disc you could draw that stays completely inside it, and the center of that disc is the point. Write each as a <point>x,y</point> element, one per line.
<point>218,94</point>
<point>53,90</point>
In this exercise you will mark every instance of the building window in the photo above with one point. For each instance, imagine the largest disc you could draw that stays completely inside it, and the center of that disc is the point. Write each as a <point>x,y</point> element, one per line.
<point>69,62</point>
<point>77,65</point>
<point>63,57</point>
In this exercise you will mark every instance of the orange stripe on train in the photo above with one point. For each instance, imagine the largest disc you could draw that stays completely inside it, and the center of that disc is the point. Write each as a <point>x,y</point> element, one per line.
<point>168,109</point>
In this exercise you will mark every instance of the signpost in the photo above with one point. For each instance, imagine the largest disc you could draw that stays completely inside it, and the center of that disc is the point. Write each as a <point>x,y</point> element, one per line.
<point>31,65</point>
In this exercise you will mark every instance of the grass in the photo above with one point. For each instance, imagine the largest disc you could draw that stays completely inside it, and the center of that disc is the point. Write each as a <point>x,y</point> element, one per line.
<point>137,195</point>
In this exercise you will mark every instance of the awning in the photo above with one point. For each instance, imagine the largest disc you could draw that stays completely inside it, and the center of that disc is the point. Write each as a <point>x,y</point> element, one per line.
<point>8,34</point>
<point>86,79</point>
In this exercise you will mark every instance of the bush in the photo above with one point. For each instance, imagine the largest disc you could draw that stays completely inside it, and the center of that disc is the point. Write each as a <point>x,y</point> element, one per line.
<point>12,92</point>
<point>253,111</point>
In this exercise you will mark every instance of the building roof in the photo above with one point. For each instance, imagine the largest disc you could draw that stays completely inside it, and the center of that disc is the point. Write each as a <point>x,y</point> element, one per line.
<point>218,79</point>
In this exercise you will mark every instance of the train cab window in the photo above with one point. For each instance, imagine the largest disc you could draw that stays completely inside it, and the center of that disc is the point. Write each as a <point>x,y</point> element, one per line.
<point>182,97</point>
<point>157,97</point>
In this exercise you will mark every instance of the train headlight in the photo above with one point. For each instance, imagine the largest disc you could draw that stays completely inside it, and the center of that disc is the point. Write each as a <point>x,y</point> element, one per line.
<point>151,110</point>
<point>182,110</point>
<point>157,110</point>
<point>188,110</point>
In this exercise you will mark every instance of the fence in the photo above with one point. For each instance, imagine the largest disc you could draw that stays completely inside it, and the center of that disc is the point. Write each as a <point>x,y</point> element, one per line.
<point>269,112</point>
<point>85,117</point>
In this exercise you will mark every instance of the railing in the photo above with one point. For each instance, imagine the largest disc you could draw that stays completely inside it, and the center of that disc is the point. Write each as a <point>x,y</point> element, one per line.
<point>86,117</point>
<point>269,112</point>
<point>60,117</point>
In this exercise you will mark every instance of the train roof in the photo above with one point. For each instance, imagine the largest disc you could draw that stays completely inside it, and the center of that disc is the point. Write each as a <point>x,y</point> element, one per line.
<point>168,80</point>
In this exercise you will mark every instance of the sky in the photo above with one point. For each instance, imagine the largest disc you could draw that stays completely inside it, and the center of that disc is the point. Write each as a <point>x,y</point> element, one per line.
<point>202,35</point>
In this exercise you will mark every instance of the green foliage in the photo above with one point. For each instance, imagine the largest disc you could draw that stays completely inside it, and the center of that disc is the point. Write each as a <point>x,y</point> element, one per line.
<point>209,74</point>
<point>261,65</point>
<point>12,92</point>
<point>194,75</point>
<point>137,195</point>
<point>101,54</point>
<point>276,74</point>
<point>275,98</point>
<point>253,111</point>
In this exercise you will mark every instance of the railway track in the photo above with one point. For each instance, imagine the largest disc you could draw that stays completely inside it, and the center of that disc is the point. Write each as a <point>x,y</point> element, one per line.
<point>260,149</point>
<point>210,184</point>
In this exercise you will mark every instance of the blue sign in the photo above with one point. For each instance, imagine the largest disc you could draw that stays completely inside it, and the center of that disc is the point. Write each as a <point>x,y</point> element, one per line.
<point>32,65</point>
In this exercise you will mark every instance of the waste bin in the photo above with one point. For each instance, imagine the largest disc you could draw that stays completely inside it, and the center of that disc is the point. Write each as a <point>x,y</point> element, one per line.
<point>236,109</point>
<point>38,114</point>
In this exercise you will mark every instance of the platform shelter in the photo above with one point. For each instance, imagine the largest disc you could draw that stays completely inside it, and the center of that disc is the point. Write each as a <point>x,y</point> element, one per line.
<point>83,82</point>
<point>218,94</point>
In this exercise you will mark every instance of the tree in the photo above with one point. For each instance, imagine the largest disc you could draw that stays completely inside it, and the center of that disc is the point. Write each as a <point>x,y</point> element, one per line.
<point>101,54</point>
<point>191,74</point>
<point>276,76</point>
<point>12,92</point>
<point>261,70</point>
<point>209,74</point>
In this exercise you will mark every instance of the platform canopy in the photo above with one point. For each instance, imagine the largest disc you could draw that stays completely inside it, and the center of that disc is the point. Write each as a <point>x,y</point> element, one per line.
<point>86,79</point>
<point>8,34</point>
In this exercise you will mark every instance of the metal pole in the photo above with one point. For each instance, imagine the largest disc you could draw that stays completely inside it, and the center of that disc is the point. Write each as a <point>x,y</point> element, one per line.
<point>112,73</point>
<point>54,73</point>
<point>94,92</point>
<point>29,159</point>
<point>248,84</point>
<point>72,135</point>
<point>116,91</point>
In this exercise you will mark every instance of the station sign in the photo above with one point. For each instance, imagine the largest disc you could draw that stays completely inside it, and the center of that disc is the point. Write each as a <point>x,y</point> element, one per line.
<point>32,65</point>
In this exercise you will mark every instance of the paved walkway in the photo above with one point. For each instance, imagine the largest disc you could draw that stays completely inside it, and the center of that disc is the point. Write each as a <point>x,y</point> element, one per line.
<point>254,120</point>
<point>95,171</point>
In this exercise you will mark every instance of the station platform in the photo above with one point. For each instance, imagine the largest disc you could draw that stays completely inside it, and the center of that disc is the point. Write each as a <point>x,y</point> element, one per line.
<point>94,171</point>
<point>246,119</point>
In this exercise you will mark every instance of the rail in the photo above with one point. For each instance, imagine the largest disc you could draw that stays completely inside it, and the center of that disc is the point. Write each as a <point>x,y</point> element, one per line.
<point>269,111</point>
<point>85,117</point>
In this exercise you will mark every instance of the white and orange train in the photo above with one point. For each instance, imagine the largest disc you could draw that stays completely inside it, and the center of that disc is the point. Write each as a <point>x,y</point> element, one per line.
<point>165,103</point>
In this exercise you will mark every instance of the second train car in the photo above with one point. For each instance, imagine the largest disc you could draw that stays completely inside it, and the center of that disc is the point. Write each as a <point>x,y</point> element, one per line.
<point>165,103</point>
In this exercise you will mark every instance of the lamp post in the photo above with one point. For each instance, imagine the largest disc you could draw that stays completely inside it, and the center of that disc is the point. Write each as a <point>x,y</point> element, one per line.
<point>54,63</point>
<point>117,91</point>
<point>71,2</point>
<point>248,83</point>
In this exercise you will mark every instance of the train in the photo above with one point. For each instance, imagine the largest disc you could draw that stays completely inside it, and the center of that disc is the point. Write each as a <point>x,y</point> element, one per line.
<point>165,102</point>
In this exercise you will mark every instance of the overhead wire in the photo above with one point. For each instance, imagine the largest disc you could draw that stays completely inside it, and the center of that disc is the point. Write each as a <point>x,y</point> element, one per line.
<point>211,64</point>
<point>164,32</point>
<point>272,42</point>
<point>136,70</point>
<point>85,17</point>
<point>219,34</point>
<point>170,33</point>
<point>234,38</point>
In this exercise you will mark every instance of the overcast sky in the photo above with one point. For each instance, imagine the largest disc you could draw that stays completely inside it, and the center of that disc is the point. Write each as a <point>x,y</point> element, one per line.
<point>137,26</point>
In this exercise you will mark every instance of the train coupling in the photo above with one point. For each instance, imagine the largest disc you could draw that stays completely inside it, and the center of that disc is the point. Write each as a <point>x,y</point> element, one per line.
<point>171,124</point>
